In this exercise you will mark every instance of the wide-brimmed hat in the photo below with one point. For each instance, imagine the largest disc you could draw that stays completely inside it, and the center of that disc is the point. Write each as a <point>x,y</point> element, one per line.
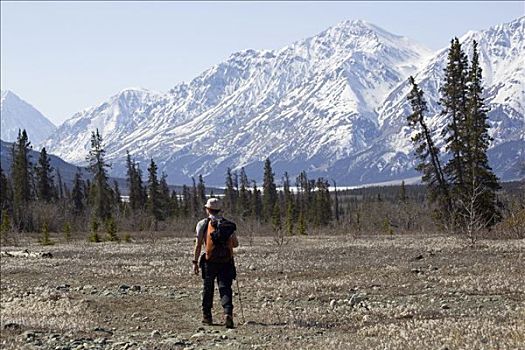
<point>213,204</point>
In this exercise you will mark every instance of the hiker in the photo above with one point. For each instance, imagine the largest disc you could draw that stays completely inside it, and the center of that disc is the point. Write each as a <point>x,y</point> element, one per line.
<point>219,238</point>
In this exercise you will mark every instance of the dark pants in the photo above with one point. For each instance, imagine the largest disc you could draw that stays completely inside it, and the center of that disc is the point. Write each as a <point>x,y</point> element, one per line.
<point>225,274</point>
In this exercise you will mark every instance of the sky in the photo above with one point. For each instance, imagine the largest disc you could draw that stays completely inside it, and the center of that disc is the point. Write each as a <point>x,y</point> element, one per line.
<point>63,57</point>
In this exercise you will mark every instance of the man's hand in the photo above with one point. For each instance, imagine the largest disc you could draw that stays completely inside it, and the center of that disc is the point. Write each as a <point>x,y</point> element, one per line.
<point>195,267</point>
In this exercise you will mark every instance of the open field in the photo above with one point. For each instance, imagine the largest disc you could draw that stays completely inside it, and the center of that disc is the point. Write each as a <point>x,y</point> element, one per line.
<point>403,292</point>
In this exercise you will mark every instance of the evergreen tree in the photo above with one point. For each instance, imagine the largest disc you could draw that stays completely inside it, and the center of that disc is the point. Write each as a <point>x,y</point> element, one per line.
<point>287,193</point>
<point>44,177</point>
<point>117,195</point>
<point>153,203</point>
<point>479,174</point>
<point>195,209</point>
<point>186,200</point>
<point>322,203</point>
<point>175,207</point>
<point>230,196</point>
<point>165,198</point>
<point>78,194</point>
<point>402,192</point>
<point>60,185</point>
<point>276,217</point>
<point>21,178</point>
<point>336,203</point>
<point>428,153</point>
<point>101,193</point>
<point>201,192</point>
<point>137,191</point>
<point>453,103</point>
<point>244,206</point>
<point>269,190</point>
<point>301,225</point>
<point>256,202</point>
<point>289,223</point>
<point>5,191</point>
<point>45,239</point>
<point>305,197</point>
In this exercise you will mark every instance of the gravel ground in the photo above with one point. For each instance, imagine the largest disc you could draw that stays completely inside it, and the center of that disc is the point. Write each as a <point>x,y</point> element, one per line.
<point>337,292</point>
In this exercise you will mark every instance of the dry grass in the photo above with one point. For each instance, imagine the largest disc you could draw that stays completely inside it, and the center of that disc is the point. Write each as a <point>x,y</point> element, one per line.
<point>409,292</point>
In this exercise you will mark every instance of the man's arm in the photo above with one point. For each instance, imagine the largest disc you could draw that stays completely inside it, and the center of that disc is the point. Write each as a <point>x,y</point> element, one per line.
<point>199,239</point>
<point>197,249</point>
<point>235,241</point>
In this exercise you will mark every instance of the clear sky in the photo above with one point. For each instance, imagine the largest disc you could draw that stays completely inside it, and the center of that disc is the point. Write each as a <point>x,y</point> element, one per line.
<point>65,56</point>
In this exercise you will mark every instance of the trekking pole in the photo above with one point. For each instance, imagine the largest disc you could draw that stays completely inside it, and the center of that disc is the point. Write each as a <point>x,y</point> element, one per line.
<point>240,300</point>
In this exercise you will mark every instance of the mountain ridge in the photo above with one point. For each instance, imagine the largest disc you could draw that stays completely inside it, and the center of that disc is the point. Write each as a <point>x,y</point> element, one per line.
<point>332,104</point>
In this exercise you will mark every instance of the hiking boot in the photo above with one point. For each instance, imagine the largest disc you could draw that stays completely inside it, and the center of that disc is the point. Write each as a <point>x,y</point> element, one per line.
<point>228,321</point>
<point>206,319</point>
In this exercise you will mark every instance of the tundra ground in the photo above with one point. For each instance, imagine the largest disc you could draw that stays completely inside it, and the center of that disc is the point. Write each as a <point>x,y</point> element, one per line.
<point>316,292</point>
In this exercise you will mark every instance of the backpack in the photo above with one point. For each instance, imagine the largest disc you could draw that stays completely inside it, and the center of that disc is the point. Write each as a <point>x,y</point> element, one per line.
<point>218,247</point>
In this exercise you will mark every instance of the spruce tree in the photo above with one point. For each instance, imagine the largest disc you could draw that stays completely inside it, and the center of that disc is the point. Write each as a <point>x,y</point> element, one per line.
<point>301,225</point>
<point>256,202</point>
<point>101,193</point>
<point>60,185</point>
<point>44,177</point>
<point>165,198</point>
<point>137,191</point>
<point>116,194</point>
<point>153,203</point>
<point>175,207</point>
<point>402,192</point>
<point>269,190</point>
<point>21,178</point>
<point>78,194</point>
<point>230,196</point>
<point>195,208</point>
<point>243,204</point>
<point>453,103</point>
<point>186,201</point>
<point>5,191</point>
<point>201,192</point>
<point>323,212</point>
<point>276,218</point>
<point>428,153</point>
<point>289,222</point>
<point>479,174</point>
<point>130,179</point>
<point>336,202</point>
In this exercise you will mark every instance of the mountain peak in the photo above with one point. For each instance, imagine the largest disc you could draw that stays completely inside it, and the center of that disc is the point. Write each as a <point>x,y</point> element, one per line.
<point>9,94</point>
<point>17,114</point>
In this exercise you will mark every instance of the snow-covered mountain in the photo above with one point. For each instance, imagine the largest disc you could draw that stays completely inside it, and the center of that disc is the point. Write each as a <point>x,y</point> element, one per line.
<point>16,114</point>
<point>502,58</point>
<point>116,119</point>
<point>333,104</point>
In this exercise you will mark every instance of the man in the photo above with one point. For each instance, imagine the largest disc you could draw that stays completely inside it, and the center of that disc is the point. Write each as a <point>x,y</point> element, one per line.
<point>217,262</point>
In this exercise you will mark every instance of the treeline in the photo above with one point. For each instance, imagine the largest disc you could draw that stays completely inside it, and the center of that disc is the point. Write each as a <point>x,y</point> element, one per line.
<point>34,196</point>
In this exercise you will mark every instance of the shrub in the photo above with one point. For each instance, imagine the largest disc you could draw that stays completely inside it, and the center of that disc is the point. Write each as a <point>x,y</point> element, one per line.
<point>111,230</point>
<point>67,231</point>
<point>94,237</point>
<point>127,238</point>
<point>45,239</point>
